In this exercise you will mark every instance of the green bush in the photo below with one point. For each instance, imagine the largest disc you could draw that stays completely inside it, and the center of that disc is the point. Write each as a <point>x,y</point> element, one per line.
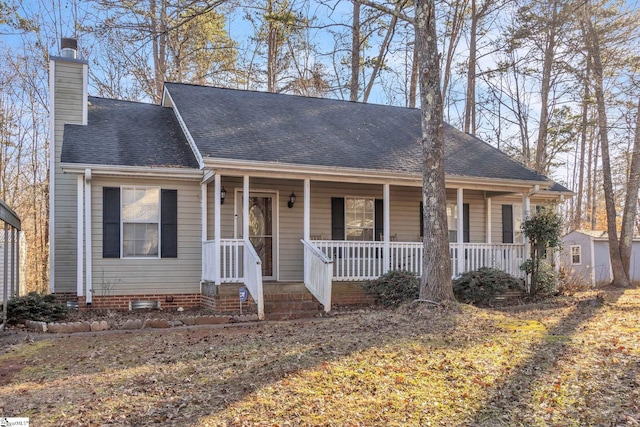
<point>394,288</point>
<point>42,308</point>
<point>480,287</point>
<point>546,279</point>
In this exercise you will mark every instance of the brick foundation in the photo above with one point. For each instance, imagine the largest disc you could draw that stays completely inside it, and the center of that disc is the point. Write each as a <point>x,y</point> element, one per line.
<point>121,302</point>
<point>228,304</point>
<point>224,302</point>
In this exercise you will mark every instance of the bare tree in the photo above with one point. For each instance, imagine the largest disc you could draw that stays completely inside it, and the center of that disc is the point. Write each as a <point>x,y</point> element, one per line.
<point>592,43</point>
<point>631,200</point>
<point>436,277</point>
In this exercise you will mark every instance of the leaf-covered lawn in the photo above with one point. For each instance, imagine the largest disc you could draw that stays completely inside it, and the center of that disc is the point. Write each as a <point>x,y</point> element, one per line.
<point>573,362</point>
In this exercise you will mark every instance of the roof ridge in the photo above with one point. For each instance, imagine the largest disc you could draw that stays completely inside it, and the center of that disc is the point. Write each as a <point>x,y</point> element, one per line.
<point>261,92</point>
<point>102,98</point>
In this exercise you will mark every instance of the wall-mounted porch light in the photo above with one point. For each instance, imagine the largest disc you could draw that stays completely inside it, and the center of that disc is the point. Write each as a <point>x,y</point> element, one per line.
<point>223,194</point>
<point>292,200</point>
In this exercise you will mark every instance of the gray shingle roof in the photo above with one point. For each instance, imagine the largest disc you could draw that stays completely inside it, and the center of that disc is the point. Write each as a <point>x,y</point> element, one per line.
<point>127,134</point>
<point>559,188</point>
<point>247,125</point>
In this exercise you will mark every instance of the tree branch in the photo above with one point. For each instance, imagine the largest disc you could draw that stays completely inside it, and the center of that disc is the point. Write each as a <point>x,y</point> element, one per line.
<point>397,13</point>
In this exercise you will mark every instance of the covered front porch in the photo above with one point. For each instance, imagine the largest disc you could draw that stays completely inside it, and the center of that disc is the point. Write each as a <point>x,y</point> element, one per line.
<point>299,237</point>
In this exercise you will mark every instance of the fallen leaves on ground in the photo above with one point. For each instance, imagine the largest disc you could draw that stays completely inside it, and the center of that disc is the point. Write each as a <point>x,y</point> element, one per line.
<point>568,362</point>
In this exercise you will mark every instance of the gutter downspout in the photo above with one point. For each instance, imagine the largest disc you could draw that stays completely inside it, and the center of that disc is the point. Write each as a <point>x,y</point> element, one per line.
<point>87,235</point>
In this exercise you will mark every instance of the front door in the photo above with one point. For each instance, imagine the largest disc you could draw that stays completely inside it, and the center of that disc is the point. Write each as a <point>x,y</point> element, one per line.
<point>262,230</point>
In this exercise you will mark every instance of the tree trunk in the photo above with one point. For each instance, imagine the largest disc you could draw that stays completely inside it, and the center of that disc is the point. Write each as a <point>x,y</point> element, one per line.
<point>456,27</point>
<point>594,182</point>
<point>470,103</point>
<point>545,88</point>
<point>383,51</point>
<point>436,277</point>
<point>413,83</point>
<point>583,143</point>
<point>620,278</point>
<point>272,50</point>
<point>354,85</point>
<point>631,200</point>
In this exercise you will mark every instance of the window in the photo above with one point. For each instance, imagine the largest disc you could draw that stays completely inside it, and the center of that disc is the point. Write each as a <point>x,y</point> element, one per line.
<point>576,254</point>
<point>140,222</point>
<point>517,224</point>
<point>359,219</point>
<point>452,221</point>
<point>511,223</point>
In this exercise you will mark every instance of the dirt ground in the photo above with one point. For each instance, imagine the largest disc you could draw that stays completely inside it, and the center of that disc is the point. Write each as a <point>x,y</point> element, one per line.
<point>571,361</point>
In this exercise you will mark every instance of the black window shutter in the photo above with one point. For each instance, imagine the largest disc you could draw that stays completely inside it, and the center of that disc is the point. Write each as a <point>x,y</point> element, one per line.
<point>421,219</point>
<point>337,218</point>
<point>507,224</point>
<point>466,235</point>
<point>379,219</point>
<point>169,223</point>
<point>111,222</point>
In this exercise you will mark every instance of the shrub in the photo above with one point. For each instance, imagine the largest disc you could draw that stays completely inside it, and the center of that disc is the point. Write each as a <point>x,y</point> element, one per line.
<point>42,308</point>
<point>394,288</point>
<point>546,278</point>
<point>479,287</point>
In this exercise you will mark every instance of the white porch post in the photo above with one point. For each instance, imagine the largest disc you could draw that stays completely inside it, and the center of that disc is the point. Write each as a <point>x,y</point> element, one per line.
<point>489,230</point>
<point>80,238</point>
<point>525,239</point>
<point>460,230</point>
<point>87,234</point>
<point>14,289</point>
<point>217,210</point>
<point>386,226</point>
<point>203,210</point>
<point>526,207</point>
<point>245,207</point>
<point>306,234</point>
<point>556,253</point>
<point>17,243</point>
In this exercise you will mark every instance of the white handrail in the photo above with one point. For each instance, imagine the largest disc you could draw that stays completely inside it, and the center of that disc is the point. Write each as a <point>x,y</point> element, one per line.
<point>253,276</point>
<point>209,261</point>
<point>318,274</point>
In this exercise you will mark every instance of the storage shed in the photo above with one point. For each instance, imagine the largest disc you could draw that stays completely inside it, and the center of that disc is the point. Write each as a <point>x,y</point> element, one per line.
<point>585,256</point>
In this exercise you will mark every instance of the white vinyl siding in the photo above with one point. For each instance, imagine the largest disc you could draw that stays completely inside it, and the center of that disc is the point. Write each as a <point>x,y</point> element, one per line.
<point>128,276</point>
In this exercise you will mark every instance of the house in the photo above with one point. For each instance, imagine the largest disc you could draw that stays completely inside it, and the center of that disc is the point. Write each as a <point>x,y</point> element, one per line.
<point>219,187</point>
<point>585,257</point>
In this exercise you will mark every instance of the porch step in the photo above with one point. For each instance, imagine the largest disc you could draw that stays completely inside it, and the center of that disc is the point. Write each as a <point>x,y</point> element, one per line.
<point>290,306</point>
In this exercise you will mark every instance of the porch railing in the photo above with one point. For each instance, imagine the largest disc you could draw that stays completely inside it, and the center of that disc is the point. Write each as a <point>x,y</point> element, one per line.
<point>253,276</point>
<point>357,261</point>
<point>353,260</point>
<point>237,262</point>
<point>318,274</point>
<point>229,264</point>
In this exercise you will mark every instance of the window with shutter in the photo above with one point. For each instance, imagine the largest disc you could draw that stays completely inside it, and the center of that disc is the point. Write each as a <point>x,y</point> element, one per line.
<point>139,222</point>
